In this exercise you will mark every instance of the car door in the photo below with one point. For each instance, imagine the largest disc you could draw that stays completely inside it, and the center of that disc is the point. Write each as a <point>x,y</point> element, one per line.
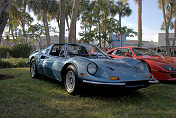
<point>55,61</point>
<point>40,58</point>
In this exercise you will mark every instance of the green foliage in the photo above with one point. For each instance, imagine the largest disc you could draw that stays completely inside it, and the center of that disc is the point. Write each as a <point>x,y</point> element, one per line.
<point>87,36</point>
<point>5,64</point>
<point>98,20</point>
<point>20,50</point>
<point>13,62</point>
<point>3,51</point>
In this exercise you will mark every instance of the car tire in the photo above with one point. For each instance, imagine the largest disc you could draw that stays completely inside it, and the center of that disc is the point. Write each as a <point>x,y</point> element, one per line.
<point>147,66</point>
<point>71,82</point>
<point>33,69</point>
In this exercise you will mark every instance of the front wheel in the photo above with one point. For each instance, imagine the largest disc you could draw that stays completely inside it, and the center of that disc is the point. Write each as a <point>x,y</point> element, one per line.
<point>71,81</point>
<point>146,65</point>
<point>33,69</point>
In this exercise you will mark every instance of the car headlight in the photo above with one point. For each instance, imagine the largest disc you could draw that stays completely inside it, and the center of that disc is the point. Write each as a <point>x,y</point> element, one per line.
<point>141,65</point>
<point>169,68</point>
<point>92,68</point>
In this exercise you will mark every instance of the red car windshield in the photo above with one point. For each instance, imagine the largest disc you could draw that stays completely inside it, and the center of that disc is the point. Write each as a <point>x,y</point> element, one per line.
<point>145,52</point>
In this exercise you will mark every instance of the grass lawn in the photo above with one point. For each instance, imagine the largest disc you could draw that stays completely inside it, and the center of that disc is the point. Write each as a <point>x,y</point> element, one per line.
<point>24,97</point>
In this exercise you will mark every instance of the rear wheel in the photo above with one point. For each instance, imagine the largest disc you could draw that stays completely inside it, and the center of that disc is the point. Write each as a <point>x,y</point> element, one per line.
<point>33,70</point>
<point>71,81</point>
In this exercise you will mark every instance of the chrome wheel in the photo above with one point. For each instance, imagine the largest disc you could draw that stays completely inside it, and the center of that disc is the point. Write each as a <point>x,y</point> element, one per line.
<point>32,69</point>
<point>70,81</point>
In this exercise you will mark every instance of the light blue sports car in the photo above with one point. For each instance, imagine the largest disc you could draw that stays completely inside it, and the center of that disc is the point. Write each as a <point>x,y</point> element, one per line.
<point>77,64</point>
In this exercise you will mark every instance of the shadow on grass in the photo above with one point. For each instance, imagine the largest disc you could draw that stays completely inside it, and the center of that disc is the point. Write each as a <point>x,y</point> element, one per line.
<point>99,91</point>
<point>110,92</point>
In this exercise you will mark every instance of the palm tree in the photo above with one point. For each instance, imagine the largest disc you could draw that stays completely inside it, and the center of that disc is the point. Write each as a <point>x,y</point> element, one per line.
<point>101,12</point>
<point>174,16</point>
<point>62,23</point>
<point>86,9</point>
<point>5,6</point>
<point>139,2</point>
<point>97,17</point>
<point>68,11</point>
<point>40,8</point>
<point>123,9</point>
<point>24,18</point>
<point>72,30</point>
<point>35,31</point>
<point>169,6</point>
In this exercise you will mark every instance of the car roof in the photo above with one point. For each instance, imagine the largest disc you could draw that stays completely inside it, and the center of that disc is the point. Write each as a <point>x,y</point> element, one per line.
<point>82,44</point>
<point>131,47</point>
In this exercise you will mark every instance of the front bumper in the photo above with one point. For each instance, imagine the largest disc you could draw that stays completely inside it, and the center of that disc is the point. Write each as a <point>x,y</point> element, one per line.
<point>128,84</point>
<point>160,75</point>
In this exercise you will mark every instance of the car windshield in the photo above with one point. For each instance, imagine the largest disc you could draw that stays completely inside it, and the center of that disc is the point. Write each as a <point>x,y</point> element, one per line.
<point>144,52</point>
<point>85,50</point>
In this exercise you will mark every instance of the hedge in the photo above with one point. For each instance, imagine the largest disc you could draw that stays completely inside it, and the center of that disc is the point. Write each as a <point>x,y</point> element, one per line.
<point>16,51</point>
<point>13,62</point>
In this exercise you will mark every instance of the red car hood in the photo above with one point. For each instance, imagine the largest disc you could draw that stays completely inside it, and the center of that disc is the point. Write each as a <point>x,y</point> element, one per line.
<point>160,59</point>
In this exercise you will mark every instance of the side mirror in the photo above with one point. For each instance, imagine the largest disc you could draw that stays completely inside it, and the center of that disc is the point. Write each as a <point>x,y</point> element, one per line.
<point>128,55</point>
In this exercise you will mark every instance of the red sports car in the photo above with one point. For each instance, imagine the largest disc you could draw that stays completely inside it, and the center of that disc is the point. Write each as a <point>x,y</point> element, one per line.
<point>161,67</point>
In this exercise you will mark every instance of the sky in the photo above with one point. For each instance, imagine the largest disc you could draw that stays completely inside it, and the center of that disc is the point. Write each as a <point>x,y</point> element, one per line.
<point>152,18</point>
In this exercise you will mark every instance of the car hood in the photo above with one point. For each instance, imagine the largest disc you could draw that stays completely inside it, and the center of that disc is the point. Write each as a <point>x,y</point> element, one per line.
<point>124,68</point>
<point>115,62</point>
<point>125,63</point>
<point>159,59</point>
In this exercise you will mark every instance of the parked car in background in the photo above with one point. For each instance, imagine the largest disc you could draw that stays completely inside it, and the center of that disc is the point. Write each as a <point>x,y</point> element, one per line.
<point>161,67</point>
<point>79,64</point>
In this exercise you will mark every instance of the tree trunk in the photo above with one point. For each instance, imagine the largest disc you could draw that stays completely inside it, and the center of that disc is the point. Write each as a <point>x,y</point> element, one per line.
<point>5,6</point>
<point>167,26</point>
<point>173,44</point>
<point>104,43</point>
<point>72,32</point>
<point>58,22</point>
<point>67,22</point>
<point>62,23</point>
<point>45,22</point>
<point>16,33</point>
<point>11,27</point>
<point>120,29</point>
<point>23,20</point>
<point>85,27</point>
<point>99,31</point>
<point>139,23</point>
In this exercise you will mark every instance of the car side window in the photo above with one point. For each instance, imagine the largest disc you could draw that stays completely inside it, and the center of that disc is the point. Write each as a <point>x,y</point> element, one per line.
<point>56,50</point>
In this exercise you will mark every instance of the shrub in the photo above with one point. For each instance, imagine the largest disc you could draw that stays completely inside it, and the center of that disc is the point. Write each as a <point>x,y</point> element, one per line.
<point>13,62</point>
<point>5,64</point>
<point>20,50</point>
<point>3,51</point>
